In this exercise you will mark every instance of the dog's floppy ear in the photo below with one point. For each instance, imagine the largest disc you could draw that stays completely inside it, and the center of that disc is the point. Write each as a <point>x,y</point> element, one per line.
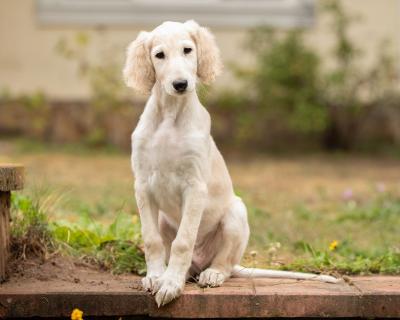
<point>138,70</point>
<point>209,64</point>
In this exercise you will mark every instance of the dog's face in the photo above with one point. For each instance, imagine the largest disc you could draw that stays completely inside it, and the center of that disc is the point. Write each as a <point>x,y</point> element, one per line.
<point>176,55</point>
<point>174,58</point>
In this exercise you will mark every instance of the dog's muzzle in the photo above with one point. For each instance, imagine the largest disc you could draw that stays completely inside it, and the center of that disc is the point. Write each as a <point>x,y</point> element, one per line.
<point>180,85</point>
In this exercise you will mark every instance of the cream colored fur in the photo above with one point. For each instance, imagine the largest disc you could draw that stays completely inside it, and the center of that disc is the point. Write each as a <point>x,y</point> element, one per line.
<point>192,222</point>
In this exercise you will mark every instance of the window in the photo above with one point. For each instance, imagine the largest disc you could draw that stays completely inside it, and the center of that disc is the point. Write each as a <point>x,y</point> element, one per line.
<point>220,13</point>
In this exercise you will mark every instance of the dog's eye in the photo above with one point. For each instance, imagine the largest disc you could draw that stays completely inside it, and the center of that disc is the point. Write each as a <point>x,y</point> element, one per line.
<point>160,55</point>
<point>187,50</point>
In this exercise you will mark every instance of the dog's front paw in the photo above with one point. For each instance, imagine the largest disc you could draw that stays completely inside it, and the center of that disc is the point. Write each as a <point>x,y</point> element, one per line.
<point>153,274</point>
<point>168,289</point>
<point>211,278</point>
<point>148,282</point>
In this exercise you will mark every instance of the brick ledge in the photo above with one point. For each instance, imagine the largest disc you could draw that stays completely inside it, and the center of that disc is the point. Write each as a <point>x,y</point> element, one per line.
<point>375,296</point>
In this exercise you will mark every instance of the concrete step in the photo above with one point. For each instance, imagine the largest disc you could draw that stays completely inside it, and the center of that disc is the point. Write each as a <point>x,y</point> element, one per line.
<point>369,297</point>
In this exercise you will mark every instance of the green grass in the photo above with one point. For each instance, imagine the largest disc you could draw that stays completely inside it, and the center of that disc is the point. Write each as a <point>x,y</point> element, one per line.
<point>81,203</point>
<point>347,260</point>
<point>115,247</point>
<point>368,242</point>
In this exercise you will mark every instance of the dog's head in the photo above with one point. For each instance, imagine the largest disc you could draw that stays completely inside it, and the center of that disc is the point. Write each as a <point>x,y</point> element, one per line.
<point>174,54</point>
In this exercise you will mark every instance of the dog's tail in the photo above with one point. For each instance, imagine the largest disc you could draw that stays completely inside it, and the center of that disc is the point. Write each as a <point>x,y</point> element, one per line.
<point>242,272</point>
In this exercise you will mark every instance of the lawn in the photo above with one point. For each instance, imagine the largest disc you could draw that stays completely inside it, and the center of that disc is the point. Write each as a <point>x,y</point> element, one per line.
<point>323,212</point>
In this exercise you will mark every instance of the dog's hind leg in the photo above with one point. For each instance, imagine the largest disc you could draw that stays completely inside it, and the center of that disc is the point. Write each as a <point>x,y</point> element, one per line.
<point>234,237</point>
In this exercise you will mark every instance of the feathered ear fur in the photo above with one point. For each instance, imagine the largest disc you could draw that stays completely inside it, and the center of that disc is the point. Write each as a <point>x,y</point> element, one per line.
<point>209,64</point>
<point>138,70</point>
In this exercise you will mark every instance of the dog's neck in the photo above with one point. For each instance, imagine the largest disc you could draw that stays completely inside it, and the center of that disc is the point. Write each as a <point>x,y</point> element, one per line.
<point>173,106</point>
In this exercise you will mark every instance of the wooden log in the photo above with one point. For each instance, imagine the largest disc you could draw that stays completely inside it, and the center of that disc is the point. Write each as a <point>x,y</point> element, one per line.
<point>4,231</point>
<point>11,178</point>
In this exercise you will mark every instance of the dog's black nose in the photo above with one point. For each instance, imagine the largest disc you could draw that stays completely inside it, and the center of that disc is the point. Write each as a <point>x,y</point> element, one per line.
<point>180,85</point>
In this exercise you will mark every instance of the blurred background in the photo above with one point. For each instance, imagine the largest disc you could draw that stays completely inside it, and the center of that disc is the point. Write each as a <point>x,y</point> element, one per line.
<point>306,113</point>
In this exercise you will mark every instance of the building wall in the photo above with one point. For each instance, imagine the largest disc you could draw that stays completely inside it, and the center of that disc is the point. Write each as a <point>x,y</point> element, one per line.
<point>29,62</point>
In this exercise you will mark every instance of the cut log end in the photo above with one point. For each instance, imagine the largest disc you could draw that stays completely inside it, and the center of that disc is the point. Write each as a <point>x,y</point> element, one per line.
<point>11,177</point>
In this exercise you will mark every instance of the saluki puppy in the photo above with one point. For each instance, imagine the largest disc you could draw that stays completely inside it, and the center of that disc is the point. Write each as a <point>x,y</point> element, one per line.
<point>192,222</point>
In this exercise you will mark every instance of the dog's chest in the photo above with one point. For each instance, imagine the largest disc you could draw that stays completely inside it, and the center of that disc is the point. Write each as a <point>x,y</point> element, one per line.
<point>163,158</point>
<point>165,148</point>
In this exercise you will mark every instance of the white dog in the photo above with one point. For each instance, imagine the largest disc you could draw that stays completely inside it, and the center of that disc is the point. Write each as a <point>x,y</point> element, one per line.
<point>192,222</point>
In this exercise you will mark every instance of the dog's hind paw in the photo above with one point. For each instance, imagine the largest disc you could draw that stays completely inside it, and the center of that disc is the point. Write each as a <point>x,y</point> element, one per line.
<point>211,278</point>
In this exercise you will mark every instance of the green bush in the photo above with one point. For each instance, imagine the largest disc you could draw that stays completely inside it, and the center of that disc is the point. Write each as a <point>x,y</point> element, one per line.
<point>280,98</point>
<point>286,80</point>
<point>289,96</point>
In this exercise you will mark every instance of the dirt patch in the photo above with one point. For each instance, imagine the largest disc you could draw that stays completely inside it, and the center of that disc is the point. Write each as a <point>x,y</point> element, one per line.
<point>64,271</point>
<point>36,268</point>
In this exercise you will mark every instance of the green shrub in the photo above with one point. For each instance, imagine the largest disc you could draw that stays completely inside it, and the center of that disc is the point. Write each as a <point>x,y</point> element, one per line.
<point>280,96</point>
<point>289,96</point>
<point>286,80</point>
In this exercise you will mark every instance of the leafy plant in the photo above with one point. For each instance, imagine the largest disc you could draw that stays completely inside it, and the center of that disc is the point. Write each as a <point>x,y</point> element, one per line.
<point>116,247</point>
<point>29,229</point>
<point>286,79</point>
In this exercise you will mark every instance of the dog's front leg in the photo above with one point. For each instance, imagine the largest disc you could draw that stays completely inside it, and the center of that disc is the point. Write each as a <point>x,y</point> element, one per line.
<point>171,284</point>
<point>153,246</point>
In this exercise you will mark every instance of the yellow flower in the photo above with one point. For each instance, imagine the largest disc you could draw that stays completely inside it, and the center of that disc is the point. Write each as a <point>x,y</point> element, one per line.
<point>76,314</point>
<point>333,245</point>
